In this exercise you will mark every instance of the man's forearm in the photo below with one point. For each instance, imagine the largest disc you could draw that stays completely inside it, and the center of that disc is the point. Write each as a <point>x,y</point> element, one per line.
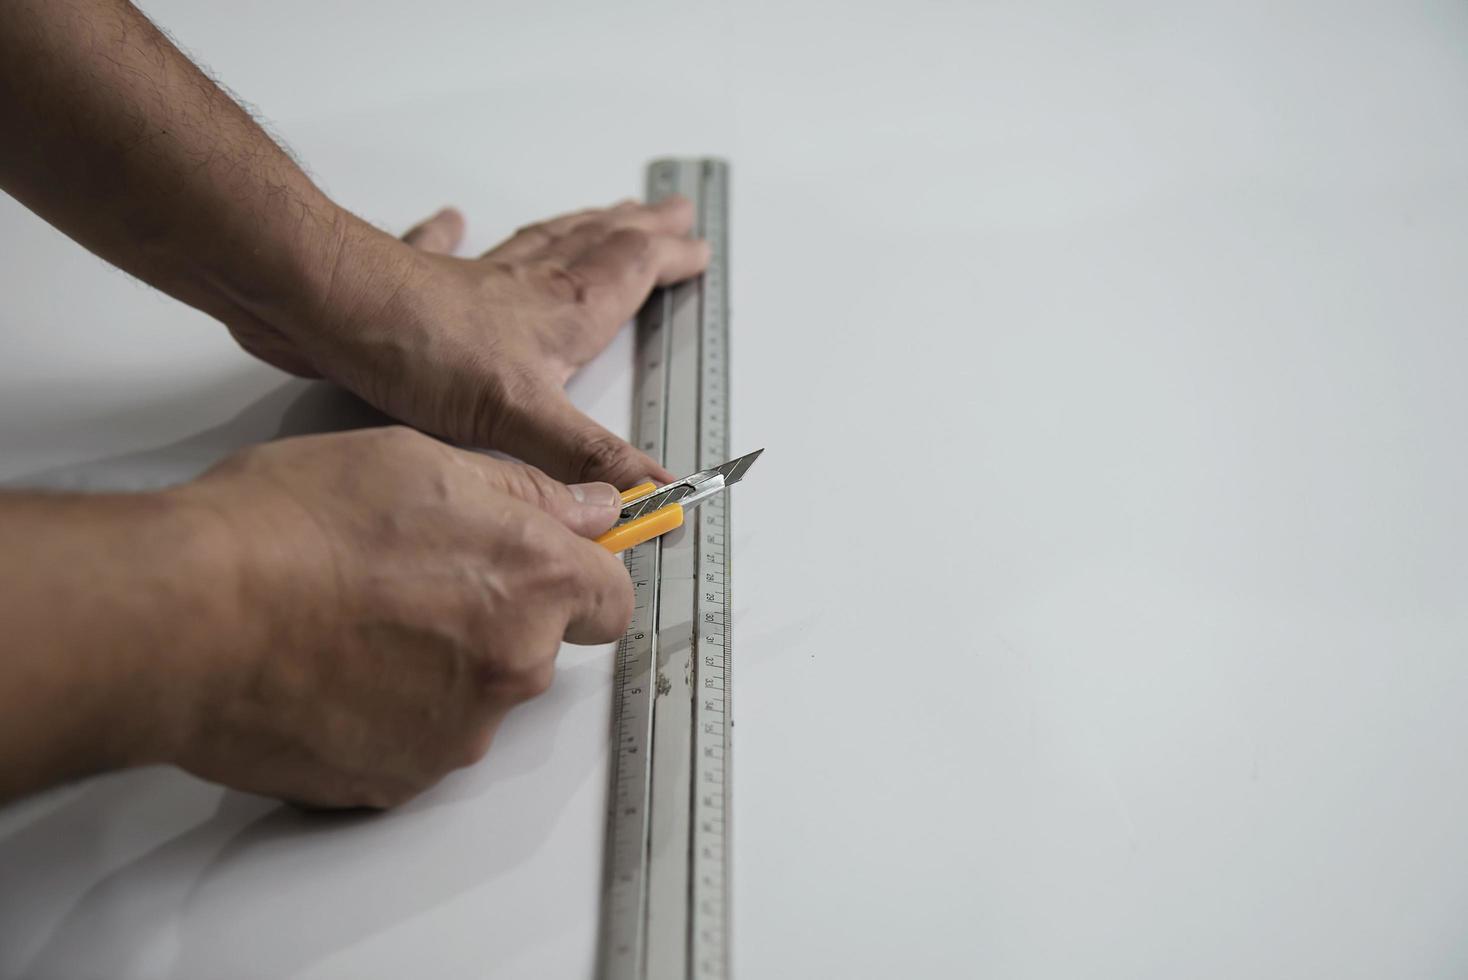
<point>114,136</point>
<point>113,608</point>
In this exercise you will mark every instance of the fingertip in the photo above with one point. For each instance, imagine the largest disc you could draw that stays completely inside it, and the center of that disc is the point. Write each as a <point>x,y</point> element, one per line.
<point>441,233</point>
<point>597,508</point>
<point>636,468</point>
<point>675,214</point>
<point>453,221</point>
<point>596,494</point>
<point>557,436</point>
<point>679,258</point>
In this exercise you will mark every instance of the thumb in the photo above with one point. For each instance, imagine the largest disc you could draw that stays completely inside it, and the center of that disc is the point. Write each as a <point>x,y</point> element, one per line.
<point>546,430</point>
<point>588,509</point>
<point>441,232</point>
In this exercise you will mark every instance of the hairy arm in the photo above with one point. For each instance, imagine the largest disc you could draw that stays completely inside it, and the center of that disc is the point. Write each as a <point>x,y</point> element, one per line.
<point>111,134</point>
<point>91,678</point>
<point>337,620</point>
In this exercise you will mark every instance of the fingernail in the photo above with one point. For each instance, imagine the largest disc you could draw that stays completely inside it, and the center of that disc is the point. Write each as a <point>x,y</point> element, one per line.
<point>596,494</point>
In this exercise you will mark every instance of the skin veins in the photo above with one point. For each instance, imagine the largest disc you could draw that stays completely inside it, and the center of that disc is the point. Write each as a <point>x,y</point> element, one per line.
<point>289,622</point>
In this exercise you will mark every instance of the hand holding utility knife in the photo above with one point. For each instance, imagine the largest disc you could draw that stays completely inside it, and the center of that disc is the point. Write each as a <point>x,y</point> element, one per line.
<point>649,510</point>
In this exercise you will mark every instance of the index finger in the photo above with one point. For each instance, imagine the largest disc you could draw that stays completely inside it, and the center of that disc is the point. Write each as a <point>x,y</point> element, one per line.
<point>671,215</point>
<point>622,269</point>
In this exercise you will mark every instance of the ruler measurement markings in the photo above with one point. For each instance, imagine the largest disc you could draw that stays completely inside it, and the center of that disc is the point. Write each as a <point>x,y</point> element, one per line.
<point>708,947</point>
<point>673,749</point>
<point>624,929</point>
<point>665,913</point>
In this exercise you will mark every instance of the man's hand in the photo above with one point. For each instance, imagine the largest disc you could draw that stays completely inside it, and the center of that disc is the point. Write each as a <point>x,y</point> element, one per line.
<point>393,596</point>
<point>404,596</point>
<point>479,350</point>
<point>336,620</point>
<point>112,135</point>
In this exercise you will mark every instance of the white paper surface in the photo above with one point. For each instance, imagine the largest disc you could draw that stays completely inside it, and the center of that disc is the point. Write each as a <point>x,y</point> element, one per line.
<point>1120,351</point>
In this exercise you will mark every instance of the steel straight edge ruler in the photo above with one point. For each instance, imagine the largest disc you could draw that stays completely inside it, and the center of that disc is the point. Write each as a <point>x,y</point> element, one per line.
<point>665,900</point>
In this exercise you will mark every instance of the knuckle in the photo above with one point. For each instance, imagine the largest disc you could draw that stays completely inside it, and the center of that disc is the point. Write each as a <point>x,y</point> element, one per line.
<point>593,228</point>
<point>535,233</point>
<point>617,605</point>
<point>636,245</point>
<point>569,285</point>
<point>537,680</point>
<point>515,479</point>
<point>614,601</point>
<point>547,571</point>
<point>477,747</point>
<point>561,576</point>
<point>499,268</point>
<point>527,671</point>
<point>543,491</point>
<point>532,486</point>
<point>538,541</point>
<point>599,453</point>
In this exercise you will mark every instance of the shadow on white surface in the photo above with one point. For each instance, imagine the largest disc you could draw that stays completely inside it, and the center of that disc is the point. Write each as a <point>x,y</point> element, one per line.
<point>153,873</point>
<point>296,407</point>
<point>318,882</point>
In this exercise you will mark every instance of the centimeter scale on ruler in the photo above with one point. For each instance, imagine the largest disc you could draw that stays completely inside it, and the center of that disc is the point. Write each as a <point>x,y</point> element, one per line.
<point>665,901</point>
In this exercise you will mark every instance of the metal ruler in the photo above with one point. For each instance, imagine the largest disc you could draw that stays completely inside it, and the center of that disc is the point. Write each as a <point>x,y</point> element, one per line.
<point>665,901</point>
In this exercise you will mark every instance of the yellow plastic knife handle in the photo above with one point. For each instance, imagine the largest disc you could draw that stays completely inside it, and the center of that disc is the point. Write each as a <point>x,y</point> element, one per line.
<point>641,490</point>
<point>645,528</point>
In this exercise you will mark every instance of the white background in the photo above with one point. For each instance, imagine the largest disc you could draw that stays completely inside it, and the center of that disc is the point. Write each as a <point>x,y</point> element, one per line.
<point>1101,600</point>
